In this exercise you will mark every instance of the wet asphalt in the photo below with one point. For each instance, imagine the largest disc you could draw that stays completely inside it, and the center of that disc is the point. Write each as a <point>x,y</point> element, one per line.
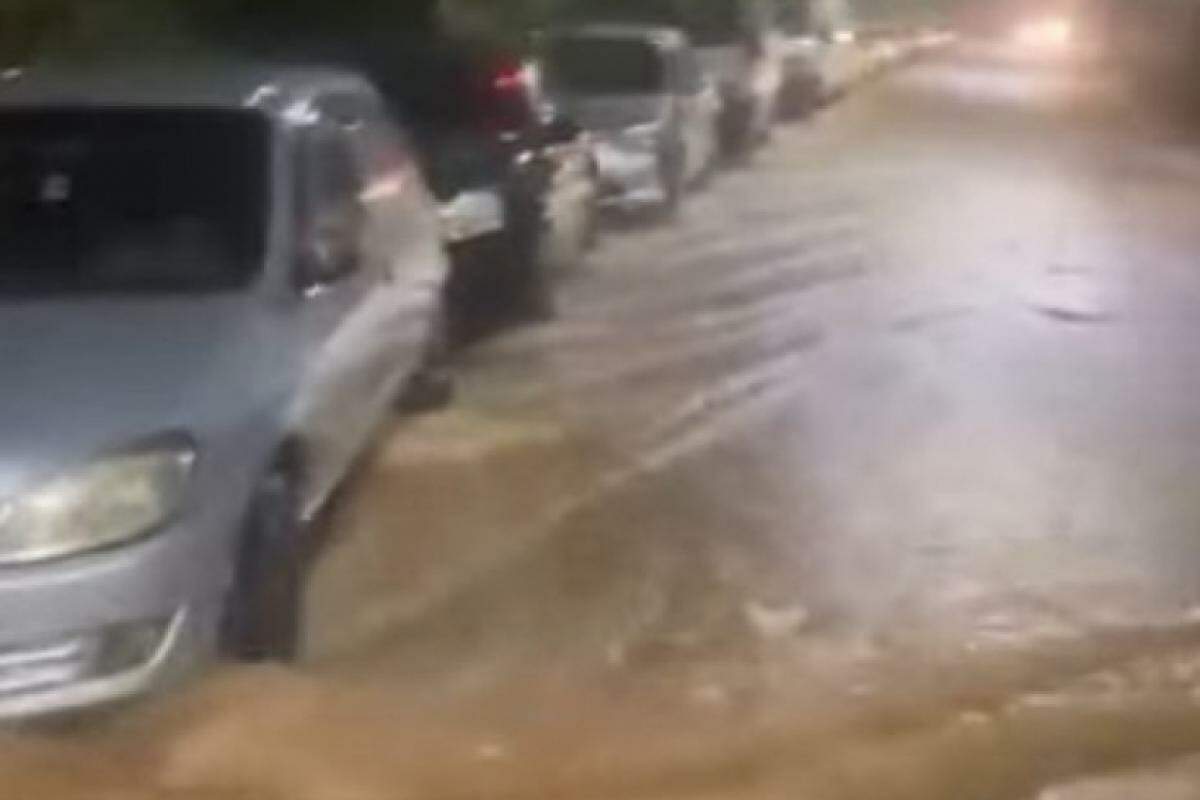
<point>875,476</point>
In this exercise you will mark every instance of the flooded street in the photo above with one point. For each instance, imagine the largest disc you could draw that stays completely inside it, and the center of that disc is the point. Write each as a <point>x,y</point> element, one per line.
<point>875,477</point>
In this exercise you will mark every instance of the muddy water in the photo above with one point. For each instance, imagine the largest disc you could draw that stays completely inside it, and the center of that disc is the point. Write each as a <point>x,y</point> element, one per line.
<point>873,478</point>
<point>633,648</point>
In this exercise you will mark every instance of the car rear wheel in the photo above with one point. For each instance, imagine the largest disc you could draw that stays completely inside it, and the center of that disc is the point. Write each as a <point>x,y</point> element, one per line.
<point>591,227</point>
<point>736,126</point>
<point>532,293</point>
<point>263,616</point>
<point>432,386</point>
<point>536,302</point>
<point>670,176</point>
<point>711,164</point>
<point>797,98</point>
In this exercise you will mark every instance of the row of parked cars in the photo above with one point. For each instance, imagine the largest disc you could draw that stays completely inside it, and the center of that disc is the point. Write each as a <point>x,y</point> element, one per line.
<point>218,280</point>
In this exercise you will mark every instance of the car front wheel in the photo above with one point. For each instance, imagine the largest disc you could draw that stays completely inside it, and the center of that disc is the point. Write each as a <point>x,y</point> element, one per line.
<point>263,616</point>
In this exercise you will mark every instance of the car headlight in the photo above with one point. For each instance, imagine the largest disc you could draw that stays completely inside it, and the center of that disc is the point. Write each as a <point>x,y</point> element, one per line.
<point>109,501</point>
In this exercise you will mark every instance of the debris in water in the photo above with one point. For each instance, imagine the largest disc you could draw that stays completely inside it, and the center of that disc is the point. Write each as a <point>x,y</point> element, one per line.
<point>1073,297</point>
<point>974,719</point>
<point>711,695</point>
<point>1062,313</point>
<point>491,751</point>
<point>775,623</point>
<point>1068,269</point>
<point>1036,701</point>
<point>615,654</point>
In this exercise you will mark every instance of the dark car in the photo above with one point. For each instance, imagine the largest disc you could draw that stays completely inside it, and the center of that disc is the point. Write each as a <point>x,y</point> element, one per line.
<point>516,184</point>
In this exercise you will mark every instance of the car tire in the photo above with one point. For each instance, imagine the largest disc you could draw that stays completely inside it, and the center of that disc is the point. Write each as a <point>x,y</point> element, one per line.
<point>765,130</point>
<point>736,128</point>
<point>709,171</point>
<point>537,302</point>
<point>431,387</point>
<point>670,176</point>
<point>591,228</point>
<point>534,299</point>
<point>796,100</point>
<point>263,619</point>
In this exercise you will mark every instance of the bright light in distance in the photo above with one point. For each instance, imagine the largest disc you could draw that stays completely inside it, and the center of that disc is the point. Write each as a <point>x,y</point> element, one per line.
<point>1052,33</point>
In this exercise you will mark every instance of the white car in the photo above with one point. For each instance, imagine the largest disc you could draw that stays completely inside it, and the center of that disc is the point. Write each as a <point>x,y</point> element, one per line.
<point>651,110</point>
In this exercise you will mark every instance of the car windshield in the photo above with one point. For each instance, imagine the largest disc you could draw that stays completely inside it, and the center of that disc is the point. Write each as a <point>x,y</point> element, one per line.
<point>131,200</point>
<point>594,65</point>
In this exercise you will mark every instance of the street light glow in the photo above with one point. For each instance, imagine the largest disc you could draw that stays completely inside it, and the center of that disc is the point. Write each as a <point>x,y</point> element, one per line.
<point>1052,33</point>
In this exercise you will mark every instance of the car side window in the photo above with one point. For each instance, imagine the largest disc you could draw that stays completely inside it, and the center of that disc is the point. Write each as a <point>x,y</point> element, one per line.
<point>331,216</point>
<point>331,177</point>
<point>342,109</point>
<point>382,148</point>
<point>376,146</point>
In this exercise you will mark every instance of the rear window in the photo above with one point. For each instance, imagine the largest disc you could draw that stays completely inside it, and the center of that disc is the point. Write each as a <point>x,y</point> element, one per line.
<point>716,22</point>
<point>445,88</point>
<point>593,65</point>
<point>132,200</point>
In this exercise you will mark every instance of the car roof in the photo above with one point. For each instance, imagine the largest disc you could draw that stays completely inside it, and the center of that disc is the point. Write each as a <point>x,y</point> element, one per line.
<point>660,35</point>
<point>273,88</point>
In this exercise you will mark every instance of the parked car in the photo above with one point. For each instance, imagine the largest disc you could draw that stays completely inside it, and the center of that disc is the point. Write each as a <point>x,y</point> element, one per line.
<point>213,288</point>
<point>515,180</point>
<point>803,80</point>
<point>736,41</point>
<point>740,43</point>
<point>649,106</point>
<point>883,48</point>
<point>839,55</point>
<point>932,38</point>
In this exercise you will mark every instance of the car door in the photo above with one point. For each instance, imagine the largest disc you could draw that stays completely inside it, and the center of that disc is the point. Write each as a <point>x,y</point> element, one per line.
<point>563,156</point>
<point>405,236</point>
<point>359,339</point>
<point>698,104</point>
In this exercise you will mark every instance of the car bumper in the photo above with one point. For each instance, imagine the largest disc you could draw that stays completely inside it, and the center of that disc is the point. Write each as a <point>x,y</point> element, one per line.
<point>629,178</point>
<point>101,628</point>
<point>472,214</point>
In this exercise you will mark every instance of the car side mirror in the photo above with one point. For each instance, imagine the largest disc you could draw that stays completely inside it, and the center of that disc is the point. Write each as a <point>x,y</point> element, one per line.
<point>561,129</point>
<point>332,250</point>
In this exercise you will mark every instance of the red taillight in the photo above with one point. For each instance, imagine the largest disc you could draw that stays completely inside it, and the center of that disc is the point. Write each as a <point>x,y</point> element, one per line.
<point>509,79</point>
<point>506,107</point>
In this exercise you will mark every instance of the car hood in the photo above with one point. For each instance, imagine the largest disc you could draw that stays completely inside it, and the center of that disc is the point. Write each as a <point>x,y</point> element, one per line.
<point>615,112</point>
<point>86,376</point>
